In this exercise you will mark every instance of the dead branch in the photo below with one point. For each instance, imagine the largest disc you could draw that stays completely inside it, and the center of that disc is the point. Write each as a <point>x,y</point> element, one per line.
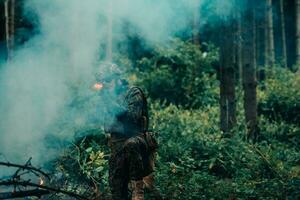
<point>36,192</point>
<point>28,183</point>
<point>25,167</point>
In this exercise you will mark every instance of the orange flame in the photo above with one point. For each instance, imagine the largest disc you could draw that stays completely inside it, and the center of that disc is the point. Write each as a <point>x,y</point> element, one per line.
<point>98,86</point>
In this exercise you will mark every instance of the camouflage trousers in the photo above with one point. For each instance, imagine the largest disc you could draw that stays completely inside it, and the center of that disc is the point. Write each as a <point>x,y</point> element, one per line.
<point>147,185</point>
<point>126,164</point>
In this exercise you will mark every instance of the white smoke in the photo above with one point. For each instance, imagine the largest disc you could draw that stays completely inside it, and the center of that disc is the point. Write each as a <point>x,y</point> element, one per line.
<point>35,85</point>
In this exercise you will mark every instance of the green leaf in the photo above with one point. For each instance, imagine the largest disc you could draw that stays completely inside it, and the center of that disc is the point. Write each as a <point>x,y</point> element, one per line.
<point>89,150</point>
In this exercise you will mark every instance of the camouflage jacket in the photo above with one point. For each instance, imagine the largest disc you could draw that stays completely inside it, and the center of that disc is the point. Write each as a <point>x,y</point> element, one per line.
<point>129,115</point>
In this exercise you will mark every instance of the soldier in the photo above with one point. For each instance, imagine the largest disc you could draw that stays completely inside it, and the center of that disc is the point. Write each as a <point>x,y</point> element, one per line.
<point>132,146</point>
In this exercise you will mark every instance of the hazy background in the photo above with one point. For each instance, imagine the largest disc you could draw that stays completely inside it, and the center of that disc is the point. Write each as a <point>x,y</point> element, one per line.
<point>37,86</point>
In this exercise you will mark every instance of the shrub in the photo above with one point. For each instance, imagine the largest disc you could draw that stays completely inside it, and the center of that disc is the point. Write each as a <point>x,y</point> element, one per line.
<point>196,162</point>
<point>280,100</point>
<point>181,74</point>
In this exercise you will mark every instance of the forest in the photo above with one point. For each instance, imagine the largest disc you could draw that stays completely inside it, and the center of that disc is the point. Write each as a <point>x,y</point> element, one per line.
<point>221,78</point>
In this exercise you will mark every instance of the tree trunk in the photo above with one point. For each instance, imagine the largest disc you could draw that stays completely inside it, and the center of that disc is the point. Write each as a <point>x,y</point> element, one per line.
<point>227,81</point>
<point>249,71</point>
<point>109,44</point>
<point>7,28</point>
<point>283,35</point>
<point>12,23</point>
<point>196,25</point>
<point>297,32</point>
<point>238,46</point>
<point>9,9</point>
<point>223,99</point>
<point>270,47</point>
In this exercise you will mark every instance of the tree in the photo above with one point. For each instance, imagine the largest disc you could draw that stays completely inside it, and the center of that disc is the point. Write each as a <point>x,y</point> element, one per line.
<point>227,79</point>
<point>238,42</point>
<point>249,70</point>
<point>109,44</point>
<point>9,9</point>
<point>297,32</point>
<point>283,35</point>
<point>269,35</point>
<point>196,25</point>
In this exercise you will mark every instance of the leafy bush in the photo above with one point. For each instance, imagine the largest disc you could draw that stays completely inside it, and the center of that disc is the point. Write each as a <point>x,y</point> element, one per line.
<point>280,100</point>
<point>180,73</point>
<point>196,162</point>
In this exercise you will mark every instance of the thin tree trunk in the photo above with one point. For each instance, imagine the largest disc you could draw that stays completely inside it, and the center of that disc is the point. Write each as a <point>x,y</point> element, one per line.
<point>223,99</point>
<point>238,45</point>
<point>7,28</point>
<point>196,25</point>
<point>109,47</point>
<point>266,42</point>
<point>9,9</point>
<point>227,81</point>
<point>297,32</point>
<point>270,35</point>
<point>239,48</point>
<point>249,71</point>
<point>12,23</point>
<point>283,36</point>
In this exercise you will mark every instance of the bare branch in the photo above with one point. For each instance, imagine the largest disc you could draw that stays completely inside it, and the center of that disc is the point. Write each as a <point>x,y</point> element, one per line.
<point>28,193</point>
<point>25,167</point>
<point>28,183</point>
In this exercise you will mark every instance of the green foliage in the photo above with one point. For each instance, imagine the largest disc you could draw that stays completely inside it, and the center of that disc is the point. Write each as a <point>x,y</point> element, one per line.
<point>196,162</point>
<point>84,165</point>
<point>180,73</point>
<point>280,100</point>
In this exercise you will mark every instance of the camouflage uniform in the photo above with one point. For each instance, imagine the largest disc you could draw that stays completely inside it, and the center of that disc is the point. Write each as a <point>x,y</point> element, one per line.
<point>129,159</point>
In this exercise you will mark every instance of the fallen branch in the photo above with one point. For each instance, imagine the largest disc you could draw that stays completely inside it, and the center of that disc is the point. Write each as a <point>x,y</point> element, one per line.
<point>25,167</point>
<point>19,194</point>
<point>27,183</point>
<point>269,164</point>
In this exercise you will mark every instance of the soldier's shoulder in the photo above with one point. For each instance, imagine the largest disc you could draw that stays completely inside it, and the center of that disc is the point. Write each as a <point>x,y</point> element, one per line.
<point>134,92</point>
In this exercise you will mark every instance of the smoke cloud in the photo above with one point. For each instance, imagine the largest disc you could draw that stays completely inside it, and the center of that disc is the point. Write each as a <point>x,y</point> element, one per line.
<point>37,86</point>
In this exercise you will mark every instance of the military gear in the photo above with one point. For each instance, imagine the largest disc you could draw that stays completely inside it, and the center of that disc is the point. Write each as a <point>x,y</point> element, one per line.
<point>137,190</point>
<point>150,187</point>
<point>109,72</point>
<point>128,116</point>
<point>129,161</point>
<point>131,145</point>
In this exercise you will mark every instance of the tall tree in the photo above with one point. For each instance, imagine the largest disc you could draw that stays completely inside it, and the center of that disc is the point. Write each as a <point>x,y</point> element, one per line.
<point>283,35</point>
<point>196,23</point>
<point>109,45</point>
<point>249,70</point>
<point>297,32</point>
<point>269,35</point>
<point>9,9</point>
<point>227,79</point>
<point>238,42</point>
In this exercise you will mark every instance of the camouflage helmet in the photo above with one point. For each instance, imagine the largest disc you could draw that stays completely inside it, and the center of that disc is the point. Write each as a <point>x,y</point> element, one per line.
<point>108,72</point>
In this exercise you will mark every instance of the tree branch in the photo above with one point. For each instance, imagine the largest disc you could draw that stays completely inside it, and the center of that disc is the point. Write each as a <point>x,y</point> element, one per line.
<point>28,193</point>
<point>27,183</point>
<point>27,167</point>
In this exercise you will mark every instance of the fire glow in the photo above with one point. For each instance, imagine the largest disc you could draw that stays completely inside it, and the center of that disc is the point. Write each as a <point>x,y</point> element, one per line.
<point>98,86</point>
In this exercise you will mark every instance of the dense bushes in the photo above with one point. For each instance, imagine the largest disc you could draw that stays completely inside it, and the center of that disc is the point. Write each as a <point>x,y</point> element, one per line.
<point>280,99</point>
<point>195,162</point>
<point>180,74</point>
